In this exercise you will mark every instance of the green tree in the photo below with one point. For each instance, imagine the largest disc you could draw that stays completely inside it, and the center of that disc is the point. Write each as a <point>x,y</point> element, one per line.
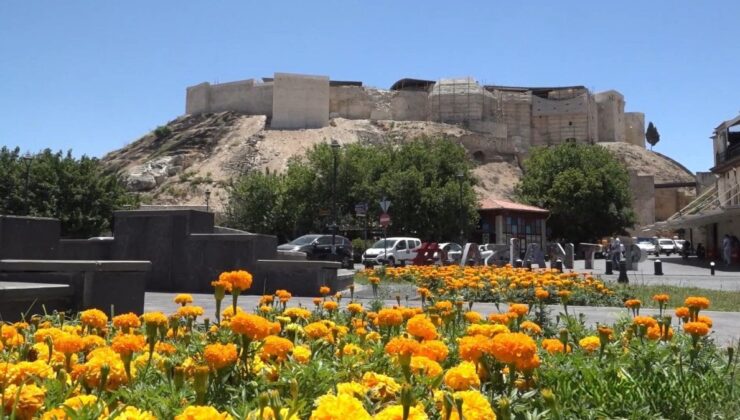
<point>585,188</point>
<point>53,184</point>
<point>419,178</point>
<point>651,135</point>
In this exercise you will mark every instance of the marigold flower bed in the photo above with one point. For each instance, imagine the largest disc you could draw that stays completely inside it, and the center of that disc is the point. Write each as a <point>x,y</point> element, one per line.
<point>345,359</point>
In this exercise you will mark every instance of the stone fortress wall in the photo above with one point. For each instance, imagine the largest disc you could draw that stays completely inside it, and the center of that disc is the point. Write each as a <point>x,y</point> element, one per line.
<point>516,118</point>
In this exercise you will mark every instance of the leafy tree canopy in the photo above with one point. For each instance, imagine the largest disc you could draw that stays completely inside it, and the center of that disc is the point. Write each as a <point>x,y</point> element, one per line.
<point>419,177</point>
<point>651,135</point>
<point>585,188</point>
<point>49,184</point>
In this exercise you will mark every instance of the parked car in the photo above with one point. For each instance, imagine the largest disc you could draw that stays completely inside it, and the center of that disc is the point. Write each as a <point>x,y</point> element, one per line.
<point>319,247</point>
<point>646,245</point>
<point>666,246</point>
<point>391,251</point>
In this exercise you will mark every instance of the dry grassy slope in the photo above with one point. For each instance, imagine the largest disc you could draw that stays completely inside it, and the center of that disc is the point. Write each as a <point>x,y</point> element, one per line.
<point>211,149</point>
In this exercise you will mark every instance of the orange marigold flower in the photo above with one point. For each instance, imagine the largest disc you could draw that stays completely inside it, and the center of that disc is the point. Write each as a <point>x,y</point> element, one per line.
<point>222,286</point>
<point>355,308</point>
<point>705,319</point>
<point>646,321</point>
<point>253,326</point>
<point>24,404</point>
<point>68,343</point>
<point>219,356</point>
<point>126,344</point>
<point>633,303</point>
<point>527,365</point>
<point>697,329</point>
<point>276,348</point>
<point>662,298</point>
<point>498,318</point>
<point>443,306</point>
<point>473,317</point>
<point>590,343</point>
<point>518,308</point>
<point>553,345</point>
<point>656,332</point>
<point>126,321</point>
<point>330,305</point>
<point>184,298</point>
<point>462,377</point>
<point>489,330</point>
<point>433,349</point>
<point>94,318</point>
<point>390,317</point>
<point>316,330</point>
<point>165,348</point>
<point>239,279</point>
<point>471,348</point>
<point>510,347</point>
<point>425,366</point>
<point>697,302</point>
<point>295,313</point>
<point>421,327</point>
<point>190,311</point>
<point>530,327</point>
<point>682,312</point>
<point>541,294</point>
<point>283,295</point>
<point>402,346</point>
<point>324,290</point>
<point>154,318</point>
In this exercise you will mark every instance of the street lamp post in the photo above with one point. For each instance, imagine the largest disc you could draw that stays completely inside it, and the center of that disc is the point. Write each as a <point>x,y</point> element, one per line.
<point>334,149</point>
<point>460,178</point>
<point>27,160</point>
<point>208,200</point>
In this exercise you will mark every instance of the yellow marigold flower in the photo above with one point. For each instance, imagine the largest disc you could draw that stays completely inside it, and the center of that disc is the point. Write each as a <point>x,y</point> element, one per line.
<point>531,328</point>
<point>433,349</point>
<point>510,347</point>
<point>184,299</point>
<point>24,372</point>
<point>473,317</point>
<point>268,414</point>
<point>354,389</point>
<point>301,354</point>
<point>633,303</point>
<point>219,356</point>
<point>395,412</point>
<point>697,329</point>
<point>127,344</point>
<point>421,327</point>
<point>253,326</point>
<point>389,317</point>
<point>646,321</point>
<point>228,313</point>
<point>355,308</point>
<point>489,330</point>
<point>41,334</point>
<point>75,404</point>
<point>443,306</point>
<point>682,312</point>
<point>339,407</point>
<point>553,345</point>
<point>402,346</point>
<point>425,366</point>
<point>462,377</point>
<point>26,404</point>
<point>143,359</point>
<point>99,359</point>
<point>68,343</point>
<point>295,313</point>
<point>330,305</point>
<point>380,386</point>
<point>475,406</point>
<point>124,321</point>
<point>316,330</point>
<point>373,336</point>
<point>590,343</point>
<point>94,318</point>
<point>238,279</point>
<point>201,412</point>
<point>133,413</point>
<point>276,348</point>
<point>662,298</point>
<point>190,311</point>
<point>351,349</point>
<point>518,308</point>
<point>154,318</point>
<point>697,302</point>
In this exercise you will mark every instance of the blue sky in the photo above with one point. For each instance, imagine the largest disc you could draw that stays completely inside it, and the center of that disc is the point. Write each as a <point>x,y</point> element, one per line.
<point>94,76</point>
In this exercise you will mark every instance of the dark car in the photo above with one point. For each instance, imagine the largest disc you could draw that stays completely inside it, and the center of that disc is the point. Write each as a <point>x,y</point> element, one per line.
<point>318,247</point>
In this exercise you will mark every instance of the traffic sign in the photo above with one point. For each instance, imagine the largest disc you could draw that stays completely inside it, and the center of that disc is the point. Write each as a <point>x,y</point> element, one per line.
<point>385,204</point>
<point>361,209</point>
<point>385,219</point>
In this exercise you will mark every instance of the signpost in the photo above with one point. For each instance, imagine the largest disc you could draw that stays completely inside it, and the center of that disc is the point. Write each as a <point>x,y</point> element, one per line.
<point>385,220</point>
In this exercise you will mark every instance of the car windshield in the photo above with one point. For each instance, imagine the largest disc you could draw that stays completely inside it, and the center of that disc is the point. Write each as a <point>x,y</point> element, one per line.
<point>384,243</point>
<point>666,242</point>
<point>304,240</point>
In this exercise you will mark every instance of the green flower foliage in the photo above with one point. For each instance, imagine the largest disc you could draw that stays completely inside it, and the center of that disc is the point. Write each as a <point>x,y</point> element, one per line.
<point>53,184</point>
<point>585,188</point>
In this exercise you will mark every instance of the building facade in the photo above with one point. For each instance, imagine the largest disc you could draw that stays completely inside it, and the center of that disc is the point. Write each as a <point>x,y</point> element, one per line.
<point>502,220</point>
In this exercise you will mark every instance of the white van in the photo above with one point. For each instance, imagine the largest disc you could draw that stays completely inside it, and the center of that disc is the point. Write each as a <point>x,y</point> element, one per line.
<point>391,251</point>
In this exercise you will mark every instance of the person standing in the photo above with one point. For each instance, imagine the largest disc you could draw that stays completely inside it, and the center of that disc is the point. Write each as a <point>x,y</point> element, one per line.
<point>726,249</point>
<point>616,251</point>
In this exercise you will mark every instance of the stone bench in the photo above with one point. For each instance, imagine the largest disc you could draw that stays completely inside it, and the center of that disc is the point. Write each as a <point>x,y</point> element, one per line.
<point>301,278</point>
<point>111,286</point>
<point>19,300</point>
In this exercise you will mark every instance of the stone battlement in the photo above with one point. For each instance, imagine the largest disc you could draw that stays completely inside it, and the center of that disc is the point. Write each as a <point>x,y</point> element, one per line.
<point>525,116</point>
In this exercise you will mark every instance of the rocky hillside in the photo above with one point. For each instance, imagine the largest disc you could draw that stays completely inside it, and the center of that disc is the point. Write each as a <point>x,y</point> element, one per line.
<point>179,162</point>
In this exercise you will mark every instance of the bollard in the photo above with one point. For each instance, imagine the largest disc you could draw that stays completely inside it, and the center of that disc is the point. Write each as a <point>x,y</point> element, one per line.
<point>623,272</point>
<point>711,267</point>
<point>658,264</point>
<point>609,268</point>
<point>528,264</point>
<point>559,265</point>
<point>518,263</point>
